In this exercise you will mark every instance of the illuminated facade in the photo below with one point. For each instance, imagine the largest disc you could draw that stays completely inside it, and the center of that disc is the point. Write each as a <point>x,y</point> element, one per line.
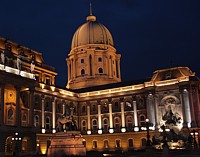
<point>110,114</point>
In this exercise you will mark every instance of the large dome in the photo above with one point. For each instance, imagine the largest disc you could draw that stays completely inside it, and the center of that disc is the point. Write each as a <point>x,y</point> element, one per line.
<point>92,32</point>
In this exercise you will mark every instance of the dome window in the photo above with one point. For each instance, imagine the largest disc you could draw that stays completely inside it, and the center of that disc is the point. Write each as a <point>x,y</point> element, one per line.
<point>83,72</point>
<point>99,59</point>
<point>100,71</point>
<point>82,60</point>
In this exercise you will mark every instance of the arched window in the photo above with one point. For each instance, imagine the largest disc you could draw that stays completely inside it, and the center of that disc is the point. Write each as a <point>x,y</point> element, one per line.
<point>90,62</point>
<point>117,143</point>
<point>94,144</point>
<point>130,143</point>
<point>94,125</point>
<point>142,120</point>
<point>82,72</point>
<point>83,125</point>
<point>10,120</point>
<point>83,109</point>
<point>117,124</point>
<point>24,120</point>
<point>105,125</point>
<point>129,123</point>
<point>100,71</point>
<point>47,123</point>
<point>36,121</point>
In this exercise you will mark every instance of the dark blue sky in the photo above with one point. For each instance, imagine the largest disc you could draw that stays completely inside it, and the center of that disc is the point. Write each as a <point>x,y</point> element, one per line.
<point>150,34</point>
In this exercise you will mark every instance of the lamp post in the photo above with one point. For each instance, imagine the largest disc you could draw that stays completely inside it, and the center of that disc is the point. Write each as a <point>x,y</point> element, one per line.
<point>194,133</point>
<point>148,135</point>
<point>17,139</point>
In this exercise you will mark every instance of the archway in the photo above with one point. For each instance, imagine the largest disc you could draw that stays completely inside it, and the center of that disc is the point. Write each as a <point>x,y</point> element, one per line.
<point>26,145</point>
<point>9,145</point>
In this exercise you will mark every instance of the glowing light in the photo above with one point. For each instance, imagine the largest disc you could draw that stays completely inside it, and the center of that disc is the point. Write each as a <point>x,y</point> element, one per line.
<point>52,88</point>
<point>42,85</point>
<point>100,131</point>
<point>136,128</point>
<point>160,130</point>
<point>143,128</point>
<point>43,131</point>
<point>111,131</point>
<point>38,144</point>
<point>147,120</point>
<point>16,133</point>
<point>123,129</point>
<point>89,132</point>
<point>54,131</point>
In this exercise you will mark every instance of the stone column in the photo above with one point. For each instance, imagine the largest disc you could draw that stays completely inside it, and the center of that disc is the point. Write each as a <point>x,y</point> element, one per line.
<point>123,128</point>
<point>136,128</point>
<point>99,119</point>
<point>111,130</point>
<point>18,107</point>
<point>109,65</point>
<point>63,108</point>
<point>43,127</point>
<point>53,115</point>
<point>2,120</point>
<point>156,110</point>
<point>186,104</point>
<point>88,117</point>
<point>31,106</point>
<point>151,109</point>
<point>198,107</point>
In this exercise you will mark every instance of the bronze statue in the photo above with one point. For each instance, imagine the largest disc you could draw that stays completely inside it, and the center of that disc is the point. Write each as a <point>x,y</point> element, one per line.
<point>66,122</point>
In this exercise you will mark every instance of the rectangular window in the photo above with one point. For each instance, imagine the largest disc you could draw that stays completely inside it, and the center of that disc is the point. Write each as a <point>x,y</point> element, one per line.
<point>118,143</point>
<point>99,59</point>
<point>106,144</point>
<point>94,144</point>
<point>82,60</point>
<point>48,81</point>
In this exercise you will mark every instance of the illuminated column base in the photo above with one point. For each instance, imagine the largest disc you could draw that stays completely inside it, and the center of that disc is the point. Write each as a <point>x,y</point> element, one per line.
<point>123,129</point>
<point>89,132</point>
<point>54,131</point>
<point>111,130</point>
<point>136,129</point>
<point>100,131</point>
<point>43,131</point>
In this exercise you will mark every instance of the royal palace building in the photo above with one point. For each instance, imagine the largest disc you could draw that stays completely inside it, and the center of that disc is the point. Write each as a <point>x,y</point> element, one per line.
<point>109,113</point>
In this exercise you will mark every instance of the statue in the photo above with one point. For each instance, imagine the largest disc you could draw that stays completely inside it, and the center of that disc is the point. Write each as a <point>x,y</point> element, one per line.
<point>19,62</point>
<point>3,57</point>
<point>170,118</point>
<point>32,66</point>
<point>66,121</point>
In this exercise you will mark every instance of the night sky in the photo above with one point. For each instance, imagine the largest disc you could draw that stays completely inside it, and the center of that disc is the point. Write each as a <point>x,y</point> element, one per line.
<point>150,34</point>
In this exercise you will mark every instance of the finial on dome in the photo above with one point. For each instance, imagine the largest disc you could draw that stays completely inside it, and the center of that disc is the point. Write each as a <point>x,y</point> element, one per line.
<point>91,17</point>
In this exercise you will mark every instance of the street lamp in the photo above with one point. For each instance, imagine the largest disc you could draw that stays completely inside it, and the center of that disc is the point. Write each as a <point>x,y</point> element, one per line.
<point>194,133</point>
<point>16,138</point>
<point>148,135</point>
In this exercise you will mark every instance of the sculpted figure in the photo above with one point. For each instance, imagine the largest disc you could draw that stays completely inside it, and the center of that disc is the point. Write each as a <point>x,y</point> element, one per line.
<point>66,122</point>
<point>32,66</point>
